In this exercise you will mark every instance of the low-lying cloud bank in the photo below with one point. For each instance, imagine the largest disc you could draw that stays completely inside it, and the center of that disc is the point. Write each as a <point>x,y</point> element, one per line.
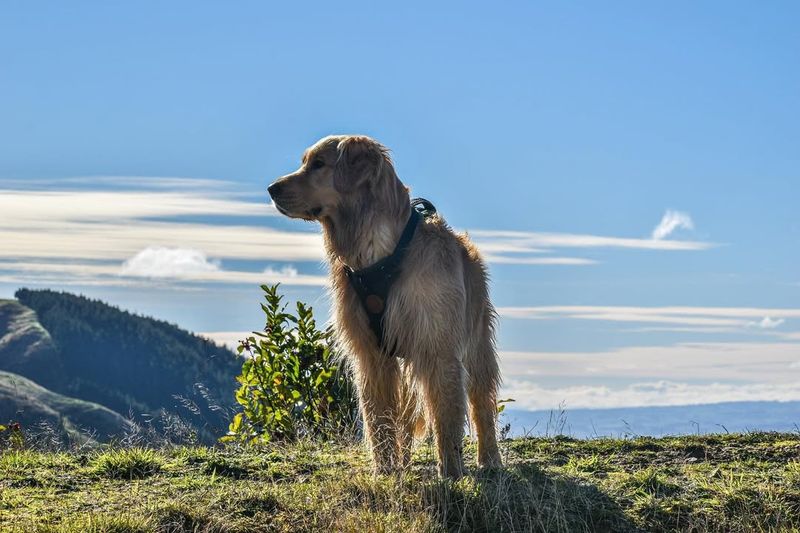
<point>644,394</point>
<point>679,374</point>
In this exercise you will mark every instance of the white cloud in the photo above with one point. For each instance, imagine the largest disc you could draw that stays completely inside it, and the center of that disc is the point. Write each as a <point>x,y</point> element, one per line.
<point>767,323</point>
<point>671,221</point>
<point>159,262</point>
<point>288,271</point>
<point>226,338</point>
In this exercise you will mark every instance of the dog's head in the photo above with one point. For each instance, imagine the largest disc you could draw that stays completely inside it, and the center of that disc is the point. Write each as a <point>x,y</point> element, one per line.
<point>336,171</point>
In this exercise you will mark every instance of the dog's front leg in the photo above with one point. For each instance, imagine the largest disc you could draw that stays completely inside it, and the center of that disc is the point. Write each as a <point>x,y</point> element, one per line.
<point>378,380</point>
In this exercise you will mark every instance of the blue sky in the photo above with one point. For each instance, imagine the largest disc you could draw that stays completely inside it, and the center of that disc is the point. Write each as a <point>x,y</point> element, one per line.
<point>138,140</point>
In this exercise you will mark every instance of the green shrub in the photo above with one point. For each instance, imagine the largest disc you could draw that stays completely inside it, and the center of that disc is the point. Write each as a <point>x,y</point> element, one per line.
<point>11,437</point>
<point>291,384</point>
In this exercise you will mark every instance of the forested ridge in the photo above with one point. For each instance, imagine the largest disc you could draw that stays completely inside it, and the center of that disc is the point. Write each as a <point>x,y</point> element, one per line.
<point>134,365</point>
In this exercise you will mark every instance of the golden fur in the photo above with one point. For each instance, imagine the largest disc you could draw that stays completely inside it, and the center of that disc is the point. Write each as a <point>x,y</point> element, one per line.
<point>438,313</point>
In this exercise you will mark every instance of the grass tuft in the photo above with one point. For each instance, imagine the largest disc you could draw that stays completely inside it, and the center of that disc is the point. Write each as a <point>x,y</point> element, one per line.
<point>101,523</point>
<point>182,518</point>
<point>133,463</point>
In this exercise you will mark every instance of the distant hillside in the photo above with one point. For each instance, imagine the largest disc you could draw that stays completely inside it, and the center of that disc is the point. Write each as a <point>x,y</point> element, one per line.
<point>24,401</point>
<point>130,364</point>
<point>25,346</point>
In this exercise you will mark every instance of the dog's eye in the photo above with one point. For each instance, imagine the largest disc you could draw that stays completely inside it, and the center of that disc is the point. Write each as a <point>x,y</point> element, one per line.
<point>318,163</point>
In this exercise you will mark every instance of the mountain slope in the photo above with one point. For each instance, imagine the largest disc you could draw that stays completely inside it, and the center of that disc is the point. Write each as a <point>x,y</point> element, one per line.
<point>25,346</point>
<point>24,401</point>
<point>91,351</point>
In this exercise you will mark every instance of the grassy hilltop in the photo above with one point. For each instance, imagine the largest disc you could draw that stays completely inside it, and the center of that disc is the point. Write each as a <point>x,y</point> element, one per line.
<point>84,363</point>
<point>748,482</point>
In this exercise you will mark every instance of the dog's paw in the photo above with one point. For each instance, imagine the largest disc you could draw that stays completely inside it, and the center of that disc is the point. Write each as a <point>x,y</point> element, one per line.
<point>383,470</point>
<point>492,462</point>
<point>453,470</point>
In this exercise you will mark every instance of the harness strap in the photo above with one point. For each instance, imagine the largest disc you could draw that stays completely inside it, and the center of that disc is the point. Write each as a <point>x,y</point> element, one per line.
<point>372,284</point>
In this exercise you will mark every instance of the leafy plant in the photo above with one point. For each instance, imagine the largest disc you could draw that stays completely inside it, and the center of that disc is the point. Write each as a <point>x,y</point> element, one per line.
<point>291,384</point>
<point>13,438</point>
<point>501,404</point>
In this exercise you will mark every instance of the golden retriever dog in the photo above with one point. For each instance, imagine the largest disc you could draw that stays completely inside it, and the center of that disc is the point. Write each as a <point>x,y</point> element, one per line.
<point>437,351</point>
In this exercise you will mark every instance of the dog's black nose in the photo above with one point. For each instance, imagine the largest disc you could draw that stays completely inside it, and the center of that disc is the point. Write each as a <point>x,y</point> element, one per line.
<point>274,189</point>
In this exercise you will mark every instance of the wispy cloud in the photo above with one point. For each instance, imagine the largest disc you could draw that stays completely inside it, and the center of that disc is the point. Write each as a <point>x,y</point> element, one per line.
<point>128,183</point>
<point>110,274</point>
<point>120,240</point>
<point>141,235</point>
<point>78,225</point>
<point>767,323</point>
<point>21,208</point>
<point>527,247</point>
<point>150,228</point>
<point>287,271</point>
<point>691,317</point>
<point>536,242</point>
<point>511,260</point>
<point>671,221</point>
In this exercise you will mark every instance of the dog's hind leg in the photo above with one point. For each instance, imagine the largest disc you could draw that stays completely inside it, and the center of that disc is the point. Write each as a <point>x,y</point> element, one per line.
<point>443,388</point>
<point>482,383</point>
<point>410,420</point>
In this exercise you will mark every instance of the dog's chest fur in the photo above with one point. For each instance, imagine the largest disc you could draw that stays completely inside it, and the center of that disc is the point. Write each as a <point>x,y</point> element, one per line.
<point>428,288</point>
<point>377,244</point>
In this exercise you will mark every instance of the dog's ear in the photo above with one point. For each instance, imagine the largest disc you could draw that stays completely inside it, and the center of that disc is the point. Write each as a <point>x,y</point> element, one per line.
<point>359,159</point>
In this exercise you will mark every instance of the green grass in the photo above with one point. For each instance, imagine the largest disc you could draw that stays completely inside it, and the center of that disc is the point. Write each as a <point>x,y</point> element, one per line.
<point>734,483</point>
<point>133,463</point>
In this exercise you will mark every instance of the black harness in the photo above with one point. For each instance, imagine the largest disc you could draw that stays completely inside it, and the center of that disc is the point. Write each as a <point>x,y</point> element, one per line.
<point>372,283</point>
